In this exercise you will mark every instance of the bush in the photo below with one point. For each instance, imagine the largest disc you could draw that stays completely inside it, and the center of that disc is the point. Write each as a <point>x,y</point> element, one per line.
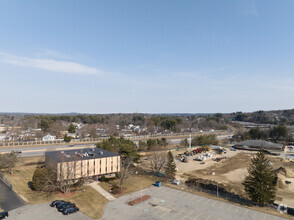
<point>43,180</point>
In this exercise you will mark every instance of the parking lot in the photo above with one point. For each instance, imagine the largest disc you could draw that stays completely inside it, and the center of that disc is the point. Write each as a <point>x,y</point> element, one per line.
<point>43,212</point>
<point>168,203</point>
<point>8,198</point>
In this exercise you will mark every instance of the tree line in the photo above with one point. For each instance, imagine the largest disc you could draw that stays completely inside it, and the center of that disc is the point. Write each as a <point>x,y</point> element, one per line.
<point>278,133</point>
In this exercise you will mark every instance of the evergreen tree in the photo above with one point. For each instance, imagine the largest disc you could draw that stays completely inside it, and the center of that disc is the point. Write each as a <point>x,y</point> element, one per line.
<point>260,184</point>
<point>170,168</point>
<point>66,138</point>
<point>71,128</point>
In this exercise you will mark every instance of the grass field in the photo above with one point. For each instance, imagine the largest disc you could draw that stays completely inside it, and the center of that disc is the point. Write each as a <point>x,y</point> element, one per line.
<point>134,183</point>
<point>89,201</point>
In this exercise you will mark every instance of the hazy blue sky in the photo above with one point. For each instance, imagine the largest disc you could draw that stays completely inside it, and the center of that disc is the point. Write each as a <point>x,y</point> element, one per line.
<point>146,55</point>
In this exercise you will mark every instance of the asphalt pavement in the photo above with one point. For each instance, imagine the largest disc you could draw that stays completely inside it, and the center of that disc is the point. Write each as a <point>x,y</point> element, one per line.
<point>172,204</point>
<point>43,212</point>
<point>9,200</point>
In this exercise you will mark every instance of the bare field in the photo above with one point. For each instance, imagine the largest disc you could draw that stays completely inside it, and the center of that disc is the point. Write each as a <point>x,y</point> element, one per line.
<point>232,172</point>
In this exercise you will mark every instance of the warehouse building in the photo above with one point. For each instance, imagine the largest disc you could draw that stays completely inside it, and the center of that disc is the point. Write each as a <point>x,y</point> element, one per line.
<point>82,163</point>
<point>258,144</point>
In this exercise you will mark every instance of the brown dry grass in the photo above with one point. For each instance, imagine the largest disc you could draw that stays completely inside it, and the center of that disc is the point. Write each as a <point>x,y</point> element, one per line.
<point>89,201</point>
<point>134,183</point>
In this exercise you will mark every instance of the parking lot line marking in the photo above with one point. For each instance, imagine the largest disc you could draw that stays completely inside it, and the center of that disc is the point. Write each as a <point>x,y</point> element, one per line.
<point>200,199</point>
<point>222,205</point>
<point>229,207</point>
<point>264,217</point>
<point>207,201</point>
<point>213,203</point>
<point>189,212</point>
<point>237,209</point>
<point>245,212</point>
<point>197,217</point>
<point>208,217</point>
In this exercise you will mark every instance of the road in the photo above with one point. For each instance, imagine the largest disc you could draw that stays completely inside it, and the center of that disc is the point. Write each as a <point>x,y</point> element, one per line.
<point>9,200</point>
<point>40,150</point>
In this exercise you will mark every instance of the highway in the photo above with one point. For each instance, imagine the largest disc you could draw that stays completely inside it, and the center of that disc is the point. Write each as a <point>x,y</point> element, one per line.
<point>40,150</point>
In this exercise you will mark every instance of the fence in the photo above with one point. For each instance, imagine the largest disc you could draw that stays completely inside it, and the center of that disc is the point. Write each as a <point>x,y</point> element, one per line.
<point>5,181</point>
<point>94,140</point>
<point>218,190</point>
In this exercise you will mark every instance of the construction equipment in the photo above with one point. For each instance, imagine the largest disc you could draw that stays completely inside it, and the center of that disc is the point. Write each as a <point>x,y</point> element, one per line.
<point>185,159</point>
<point>205,149</point>
<point>187,153</point>
<point>197,151</point>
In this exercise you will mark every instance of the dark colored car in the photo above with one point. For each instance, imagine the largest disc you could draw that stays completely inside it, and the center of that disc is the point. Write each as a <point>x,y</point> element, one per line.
<point>70,210</point>
<point>62,208</point>
<point>61,205</point>
<point>56,202</point>
<point>3,215</point>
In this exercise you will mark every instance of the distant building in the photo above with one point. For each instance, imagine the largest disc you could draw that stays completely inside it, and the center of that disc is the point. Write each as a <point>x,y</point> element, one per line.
<point>72,135</point>
<point>48,137</point>
<point>5,137</point>
<point>258,144</point>
<point>82,163</point>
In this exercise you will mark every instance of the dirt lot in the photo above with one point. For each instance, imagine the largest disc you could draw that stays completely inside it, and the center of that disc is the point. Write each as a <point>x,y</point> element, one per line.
<point>232,171</point>
<point>88,200</point>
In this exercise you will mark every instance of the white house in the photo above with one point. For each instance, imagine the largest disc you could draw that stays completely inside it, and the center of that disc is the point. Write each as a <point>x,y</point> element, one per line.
<point>48,137</point>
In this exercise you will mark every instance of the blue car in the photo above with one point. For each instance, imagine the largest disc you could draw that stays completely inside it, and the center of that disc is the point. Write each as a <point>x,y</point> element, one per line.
<point>3,215</point>
<point>70,210</point>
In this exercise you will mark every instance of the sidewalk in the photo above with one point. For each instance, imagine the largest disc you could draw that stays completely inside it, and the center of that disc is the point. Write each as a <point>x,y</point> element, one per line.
<point>104,193</point>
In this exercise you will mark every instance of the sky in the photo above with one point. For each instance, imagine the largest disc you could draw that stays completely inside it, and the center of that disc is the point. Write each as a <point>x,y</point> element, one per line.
<point>149,56</point>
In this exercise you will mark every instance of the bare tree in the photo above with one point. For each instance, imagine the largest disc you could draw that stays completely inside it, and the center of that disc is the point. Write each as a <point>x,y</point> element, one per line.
<point>56,128</point>
<point>8,161</point>
<point>65,172</point>
<point>157,161</point>
<point>124,172</point>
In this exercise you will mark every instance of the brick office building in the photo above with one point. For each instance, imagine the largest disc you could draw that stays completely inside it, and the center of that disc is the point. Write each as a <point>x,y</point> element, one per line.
<point>82,163</point>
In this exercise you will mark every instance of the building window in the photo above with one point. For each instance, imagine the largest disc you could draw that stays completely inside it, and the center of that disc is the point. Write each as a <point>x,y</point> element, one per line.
<point>88,171</point>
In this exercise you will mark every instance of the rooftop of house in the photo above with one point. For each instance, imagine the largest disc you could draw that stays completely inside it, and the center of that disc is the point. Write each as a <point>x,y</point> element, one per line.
<point>79,154</point>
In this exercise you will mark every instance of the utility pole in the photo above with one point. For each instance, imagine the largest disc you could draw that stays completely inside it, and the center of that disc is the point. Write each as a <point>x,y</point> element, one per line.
<point>190,141</point>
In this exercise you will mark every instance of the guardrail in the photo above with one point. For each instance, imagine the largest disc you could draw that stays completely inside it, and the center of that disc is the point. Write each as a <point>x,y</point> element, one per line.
<point>93,140</point>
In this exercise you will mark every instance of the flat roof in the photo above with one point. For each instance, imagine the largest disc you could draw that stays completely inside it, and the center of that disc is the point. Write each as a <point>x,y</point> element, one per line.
<point>79,154</point>
<point>260,143</point>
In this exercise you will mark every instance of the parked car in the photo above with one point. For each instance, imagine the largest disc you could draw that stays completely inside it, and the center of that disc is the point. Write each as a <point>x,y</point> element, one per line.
<point>63,205</point>
<point>3,215</point>
<point>70,210</point>
<point>232,149</point>
<point>176,182</point>
<point>66,206</point>
<point>56,202</point>
<point>17,152</point>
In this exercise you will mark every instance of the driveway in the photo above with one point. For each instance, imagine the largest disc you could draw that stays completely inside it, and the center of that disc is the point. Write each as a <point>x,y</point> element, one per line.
<point>9,200</point>
<point>43,212</point>
<point>172,204</point>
